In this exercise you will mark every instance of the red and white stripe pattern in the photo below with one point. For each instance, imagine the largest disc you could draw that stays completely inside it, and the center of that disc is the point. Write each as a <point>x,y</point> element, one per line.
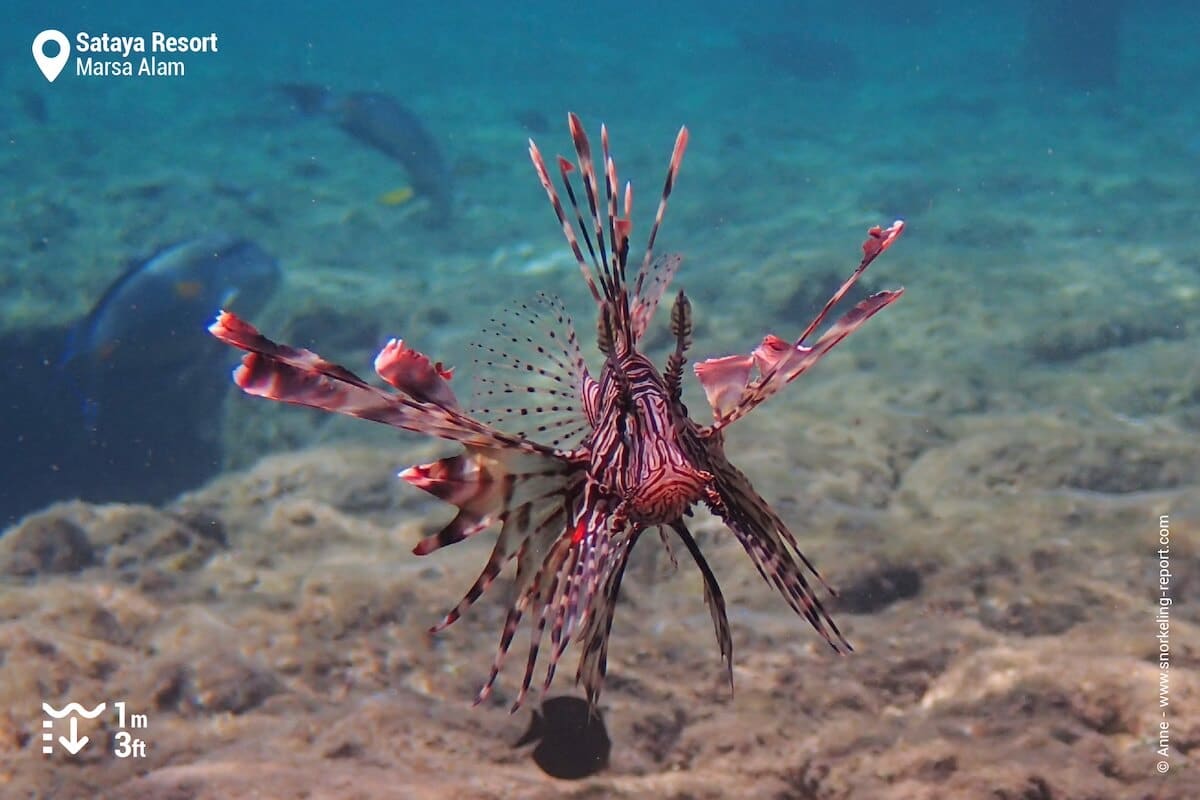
<point>571,469</point>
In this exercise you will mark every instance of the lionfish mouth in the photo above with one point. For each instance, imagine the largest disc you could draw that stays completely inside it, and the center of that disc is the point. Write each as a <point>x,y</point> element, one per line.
<point>572,468</point>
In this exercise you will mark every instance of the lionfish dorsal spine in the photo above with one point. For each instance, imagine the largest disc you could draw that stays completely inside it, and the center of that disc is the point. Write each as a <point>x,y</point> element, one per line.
<point>681,328</point>
<point>653,285</point>
<point>616,264</point>
<point>681,142</point>
<point>587,173</point>
<point>539,164</point>
<point>605,268</point>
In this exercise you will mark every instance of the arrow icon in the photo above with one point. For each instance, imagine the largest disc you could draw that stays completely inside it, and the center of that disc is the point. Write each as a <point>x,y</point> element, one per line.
<point>75,743</point>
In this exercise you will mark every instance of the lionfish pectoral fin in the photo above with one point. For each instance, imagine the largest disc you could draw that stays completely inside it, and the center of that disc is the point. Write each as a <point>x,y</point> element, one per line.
<point>301,377</point>
<point>724,380</point>
<point>530,494</point>
<point>233,330</point>
<point>414,374</point>
<point>782,367</point>
<point>543,589</point>
<point>531,378</point>
<point>880,239</point>
<point>779,362</point>
<point>523,491</point>
<point>463,480</point>
<point>712,598</point>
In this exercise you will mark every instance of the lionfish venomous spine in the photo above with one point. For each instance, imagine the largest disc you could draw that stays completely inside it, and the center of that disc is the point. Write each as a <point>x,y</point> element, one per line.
<point>575,468</point>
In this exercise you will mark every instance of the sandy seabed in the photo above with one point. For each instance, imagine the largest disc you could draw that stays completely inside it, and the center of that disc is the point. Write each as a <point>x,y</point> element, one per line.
<point>273,626</point>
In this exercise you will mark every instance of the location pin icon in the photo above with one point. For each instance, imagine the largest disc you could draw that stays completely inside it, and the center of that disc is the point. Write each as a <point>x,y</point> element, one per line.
<point>51,66</point>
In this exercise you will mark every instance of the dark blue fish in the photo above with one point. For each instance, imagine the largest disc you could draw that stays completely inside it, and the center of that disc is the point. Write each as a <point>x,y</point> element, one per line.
<point>153,317</point>
<point>382,122</point>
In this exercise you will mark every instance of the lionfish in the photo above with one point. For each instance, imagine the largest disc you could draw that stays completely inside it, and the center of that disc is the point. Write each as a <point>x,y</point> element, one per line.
<point>575,468</point>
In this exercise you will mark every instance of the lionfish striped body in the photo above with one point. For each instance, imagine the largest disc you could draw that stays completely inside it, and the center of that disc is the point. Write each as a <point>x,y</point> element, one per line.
<point>594,461</point>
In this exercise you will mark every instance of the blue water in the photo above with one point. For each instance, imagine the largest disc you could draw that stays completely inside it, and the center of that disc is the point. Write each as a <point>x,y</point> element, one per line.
<point>1044,160</point>
<point>1019,177</point>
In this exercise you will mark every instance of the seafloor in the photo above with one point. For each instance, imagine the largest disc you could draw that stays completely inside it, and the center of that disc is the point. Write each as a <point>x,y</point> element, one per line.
<point>981,470</point>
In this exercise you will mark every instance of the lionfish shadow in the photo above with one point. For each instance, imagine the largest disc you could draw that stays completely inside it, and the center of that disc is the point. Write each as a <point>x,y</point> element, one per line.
<point>572,740</point>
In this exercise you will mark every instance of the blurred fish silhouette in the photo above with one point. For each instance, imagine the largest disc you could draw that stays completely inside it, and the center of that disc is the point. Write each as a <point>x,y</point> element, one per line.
<point>145,372</point>
<point>572,740</point>
<point>382,122</point>
<point>152,318</point>
<point>34,106</point>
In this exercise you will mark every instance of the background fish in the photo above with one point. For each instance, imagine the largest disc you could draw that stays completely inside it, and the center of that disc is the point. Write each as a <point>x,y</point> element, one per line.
<point>572,741</point>
<point>34,106</point>
<point>381,121</point>
<point>143,370</point>
<point>154,314</point>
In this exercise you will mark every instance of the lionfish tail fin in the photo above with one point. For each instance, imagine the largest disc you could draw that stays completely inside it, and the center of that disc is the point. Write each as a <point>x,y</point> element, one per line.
<point>729,383</point>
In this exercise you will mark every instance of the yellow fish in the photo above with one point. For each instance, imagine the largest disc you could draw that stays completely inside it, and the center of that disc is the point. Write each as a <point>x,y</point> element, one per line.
<point>396,197</point>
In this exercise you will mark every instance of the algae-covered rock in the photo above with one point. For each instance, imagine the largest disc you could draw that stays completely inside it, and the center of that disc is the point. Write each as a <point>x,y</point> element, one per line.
<point>46,544</point>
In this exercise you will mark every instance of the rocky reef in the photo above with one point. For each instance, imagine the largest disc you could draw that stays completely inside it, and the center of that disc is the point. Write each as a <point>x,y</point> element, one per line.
<point>272,627</point>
